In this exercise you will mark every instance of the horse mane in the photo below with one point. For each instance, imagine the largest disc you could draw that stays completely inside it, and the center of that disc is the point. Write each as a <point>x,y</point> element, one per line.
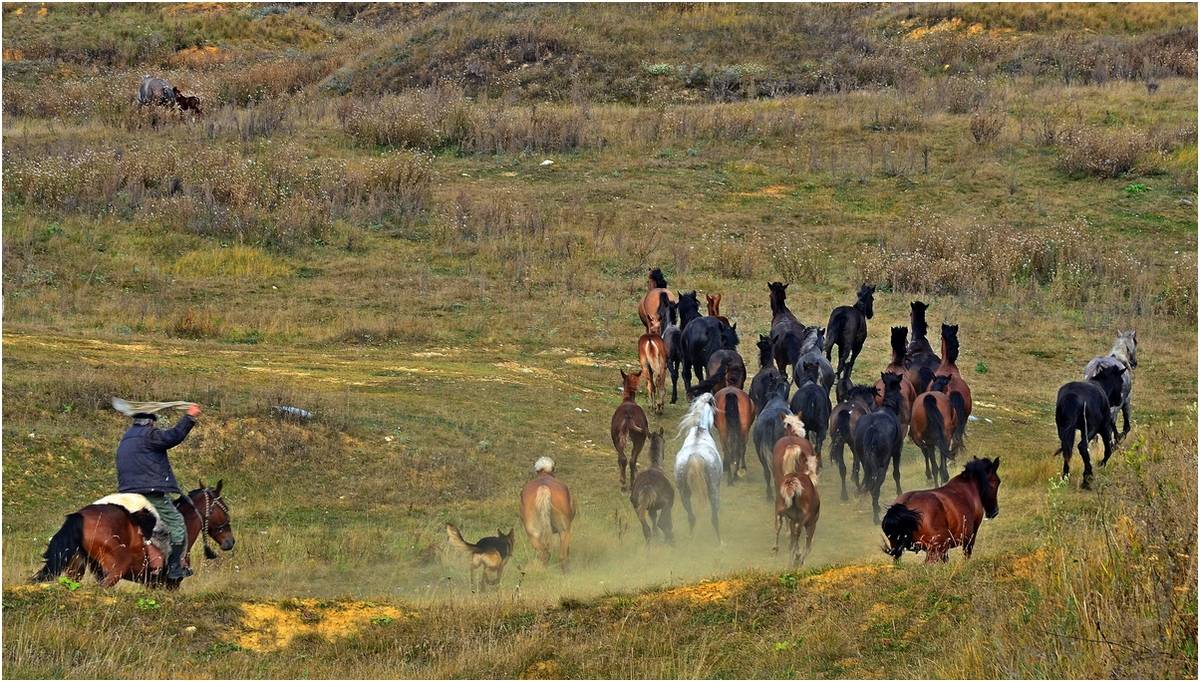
<point>950,338</point>
<point>920,328</point>
<point>656,276</point>
<point>664,308</point>
<point>862,391</point>
<point>543,464</point>
<point>699,415</point>
<point>977,471</point>
<point>765,353</point>
<point>899,345</point>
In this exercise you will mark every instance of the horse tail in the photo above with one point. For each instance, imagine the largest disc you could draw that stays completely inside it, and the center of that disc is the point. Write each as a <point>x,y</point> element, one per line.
<point>959,405</point>
<point>899,526</point>
<point>66,544</point>
<point>733,427</point>
<point>834,333</point>
<point>697,478</point>
<point>936,424</point>
<point>542,506</point>
<point>791,490</point>
<point>710,383</point>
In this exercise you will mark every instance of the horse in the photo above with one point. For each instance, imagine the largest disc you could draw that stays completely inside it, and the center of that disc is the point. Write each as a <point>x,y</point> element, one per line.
<point>920,362</point>
<point>702,336</point>
<point>907,392</point>
<point>769,428</point>
<point>959,392</point>
<point>629,425</point>
<point>847,329</point>
<point>788,335</point>
<point>725,368</point>
<point>792,453</point>
<point>672,337</point>
<point>767,375</point>
<point>652,495</point>
<point>1086,406</point>
<point>933,426</point>
<point>936,521</point>
<point>812,350</point>
<point>547,510</point>
<point>811,402</point>
<point>652,356</point>
<point>856,402</point>
<point>878,438</point>
<point>1123,354</point>
<point>107,539</point>
<point>734,415</point>
<point>714,307</point>
<point>698,462</point>
<point>648,309</point>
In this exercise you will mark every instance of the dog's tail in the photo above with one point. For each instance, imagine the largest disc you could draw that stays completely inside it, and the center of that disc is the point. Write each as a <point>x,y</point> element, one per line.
<point>457,541</point>
<point>66,544</point>
<point>899,526</point>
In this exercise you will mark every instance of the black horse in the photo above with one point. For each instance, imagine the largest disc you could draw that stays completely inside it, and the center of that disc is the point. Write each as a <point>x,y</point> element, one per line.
<point>701,337</point>
<point>789,337</point>
<point>767,374</point>
<point>1086,406</point>
<point>768,428</point>
<point>672,336</point>
<point>878,438</point>
<point>811,402</point>
<point>847,329</point>
<point>920,362</point>
<point>853,403</point>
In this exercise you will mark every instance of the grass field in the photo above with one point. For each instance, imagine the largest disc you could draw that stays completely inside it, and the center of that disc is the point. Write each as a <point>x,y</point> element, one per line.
<point>363,225</point>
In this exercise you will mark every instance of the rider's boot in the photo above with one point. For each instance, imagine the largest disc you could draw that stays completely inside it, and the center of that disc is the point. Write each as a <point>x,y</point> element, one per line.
<point>175,568</point>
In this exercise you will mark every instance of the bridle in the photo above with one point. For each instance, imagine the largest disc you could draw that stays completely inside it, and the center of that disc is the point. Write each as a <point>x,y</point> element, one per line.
<point>209,501</point>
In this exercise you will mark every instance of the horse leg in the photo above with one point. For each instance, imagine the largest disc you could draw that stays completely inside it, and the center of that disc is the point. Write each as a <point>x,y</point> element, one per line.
<point>686,498</point>
<point>716,523</point>
<point>1087,462</point>
<point>1066,442</point>
<point>778,527</point>
<point>638,442</point>
<point>113,565</point>
<point>896,469</point>
<point>621,462</point>
<point>646,531</point>
<point>664,524</point>
<point>810,529</point>
<point>564,548</point>
<point>854,351</point>
<point>875,496</point>
<point>794,545</point>
<point>673,367</point>
<point>836,448</point>
<point>687,375</point>
<point>1107,437</point>
<point>1125,409</point>
<point>930,465</point>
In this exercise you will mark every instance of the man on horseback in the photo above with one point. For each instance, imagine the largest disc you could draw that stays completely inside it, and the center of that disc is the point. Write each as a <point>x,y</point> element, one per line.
<point>143,467</point>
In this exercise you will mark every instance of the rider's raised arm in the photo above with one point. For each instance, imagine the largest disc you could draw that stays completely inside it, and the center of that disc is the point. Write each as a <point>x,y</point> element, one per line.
<point>169,438</point>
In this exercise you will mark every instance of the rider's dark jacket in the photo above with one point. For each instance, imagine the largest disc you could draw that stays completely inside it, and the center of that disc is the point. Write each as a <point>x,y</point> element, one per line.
<point>142,464</point>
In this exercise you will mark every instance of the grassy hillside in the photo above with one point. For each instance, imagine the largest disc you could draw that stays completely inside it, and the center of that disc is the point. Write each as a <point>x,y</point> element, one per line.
<point>363,224</point>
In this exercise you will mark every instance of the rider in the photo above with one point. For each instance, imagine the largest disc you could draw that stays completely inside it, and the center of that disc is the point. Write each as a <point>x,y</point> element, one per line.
<point>143,467</point>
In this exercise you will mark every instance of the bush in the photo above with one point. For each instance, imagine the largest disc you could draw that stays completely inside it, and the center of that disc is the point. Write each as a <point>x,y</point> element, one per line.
<point>985,128</point>
<point>1102,152</point>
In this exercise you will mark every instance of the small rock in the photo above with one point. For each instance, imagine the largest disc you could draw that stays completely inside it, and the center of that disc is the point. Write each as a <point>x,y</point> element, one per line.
<point>547,162</point>
<point>972,418</point>
<point>191,629</point>
<point>388,438</point>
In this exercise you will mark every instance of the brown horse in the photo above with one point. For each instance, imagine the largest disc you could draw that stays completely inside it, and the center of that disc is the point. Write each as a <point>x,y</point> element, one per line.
<point>857,401</point>
<point>724,368</point>
<point>907,392</point>
<point>933,426</point>
<point>734,415</point>
<point>798,502</point>
<point>113,543</point>
<point>629,425</point>
<point>649,307</point>
<point>652,355</point>
<point>652,494</point>
<point>547,510</point>
<point>919,359</point>
<point>792,454</point>
<point>936,521</point>
<point>959,392</point>
<point>714,307</point>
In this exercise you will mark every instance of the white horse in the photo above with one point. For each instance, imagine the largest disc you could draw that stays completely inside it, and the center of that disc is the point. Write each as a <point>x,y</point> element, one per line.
<point>1123,354</point>
<point>698,462</point>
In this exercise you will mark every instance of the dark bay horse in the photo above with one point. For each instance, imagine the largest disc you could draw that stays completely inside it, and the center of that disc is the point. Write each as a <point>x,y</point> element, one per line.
<point>652,494</point>
<point>920,362</point>
<point>702,336</point>
<point>847,329</point>
<point>957,389</point>
<point>932,428</point>
<point>857,401</point>
<point>767,375</point>
<point>725,368</point>
<point>788,336</point>
<point>648,309</point>
<point>1086,407</point>
<point>907,392</point>
<point>769,428</point>
<point>672,337</point>
<point>629,425</point>
<point>936,521</point>
<point>734,415</point>
<point>107,540</point>
<point>878,439</point>
<point>811,402</point>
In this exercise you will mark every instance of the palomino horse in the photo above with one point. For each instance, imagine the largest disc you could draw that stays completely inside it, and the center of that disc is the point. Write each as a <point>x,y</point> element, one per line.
<point>920,362</point>
<point>959,392</point>
<point>847,329</point>
<point>878,439</point>
<point>652,495</point>
<point>907,392</point>
<point>547,510</point>
<point>648,309</point>
<point>106,539</point>
<point>1086,406</point>
<point>652,355</point>
<point>714,307</point>
<point>1123,354</point>
<point>857,401</point>
<point>936,521</point>
<point>734,415</point>
<point>933,426</point>
<point>698,462</point>
<point>629,425</point>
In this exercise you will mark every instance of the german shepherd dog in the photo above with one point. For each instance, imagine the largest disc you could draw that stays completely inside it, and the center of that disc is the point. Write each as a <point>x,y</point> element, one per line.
<point>491,553</point>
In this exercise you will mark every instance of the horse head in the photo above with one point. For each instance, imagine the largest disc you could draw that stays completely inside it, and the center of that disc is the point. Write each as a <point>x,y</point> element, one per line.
<point>214,516</point>
<point>729,337</point>
<point>984,473</point>
<point>714,304</point>
<point>1112,383</point>
<point>657,281</point>
<point>866,300</point>
<point>656,447</point>
<point>899,344</point>
<point>778,295</point>
<point>891,387</point>
<point>1126,346</point>
<point>629,384</point>
<point>950,343</point>
<point>689,306</point>
<point>919,327</point>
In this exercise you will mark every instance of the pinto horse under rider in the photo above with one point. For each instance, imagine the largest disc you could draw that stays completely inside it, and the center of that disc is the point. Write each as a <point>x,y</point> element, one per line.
<point>143,468</point>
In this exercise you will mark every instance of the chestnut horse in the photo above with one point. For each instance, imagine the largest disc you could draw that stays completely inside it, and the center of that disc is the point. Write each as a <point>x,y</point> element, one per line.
<point>959,392</point>
<point>920,362</point>
<point>108,540</point>
<point>907,392</point>
<point>648,309</point>
<point>734,415</point>
<point>547,510</point>
<point>714,307</point>
<point>629,425</point>
<point>798,502</point>
<point>936,521</point>
<point>933,426</point>
<point>652,355</point>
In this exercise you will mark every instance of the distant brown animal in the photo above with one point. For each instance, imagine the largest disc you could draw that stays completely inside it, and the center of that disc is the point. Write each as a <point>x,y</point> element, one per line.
<point>933,426</point>
<point>959,392</point>
<point>734,416</point>
<point>907,392</point>
<point>652,494</point>
<point>629,425</point>
<point>798,502</point>
<point>188,103</point>
<point>936,521</point>
<point>547,510</point>
<point>652,354</point>
<point>648,310</point>
<point>714,307</point>
<point>490,553</point>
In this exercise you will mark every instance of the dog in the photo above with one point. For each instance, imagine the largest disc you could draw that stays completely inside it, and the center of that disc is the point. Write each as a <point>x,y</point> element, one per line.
<point>491,553</point>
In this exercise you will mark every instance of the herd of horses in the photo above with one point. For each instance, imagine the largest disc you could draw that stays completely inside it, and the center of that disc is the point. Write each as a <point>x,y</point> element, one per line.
<point>920,395</point>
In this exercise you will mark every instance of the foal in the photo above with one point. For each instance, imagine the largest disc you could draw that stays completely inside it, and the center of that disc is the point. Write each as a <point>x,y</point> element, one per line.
<point>798,502</point>
<point>652,495</point>
<point>734,415</point>
<point>547,511</point>
<point>629,424</point>
<point>847,329</point>
<point>652,355</point>
<point>933,426</point>
<point>648,309</point>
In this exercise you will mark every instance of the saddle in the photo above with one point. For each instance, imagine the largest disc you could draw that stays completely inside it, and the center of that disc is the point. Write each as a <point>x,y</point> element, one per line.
<point>146,518</point>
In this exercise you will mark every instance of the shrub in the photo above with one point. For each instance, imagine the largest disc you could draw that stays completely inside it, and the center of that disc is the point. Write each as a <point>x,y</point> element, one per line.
<point>1102,152</point>
<point>985,127</point>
